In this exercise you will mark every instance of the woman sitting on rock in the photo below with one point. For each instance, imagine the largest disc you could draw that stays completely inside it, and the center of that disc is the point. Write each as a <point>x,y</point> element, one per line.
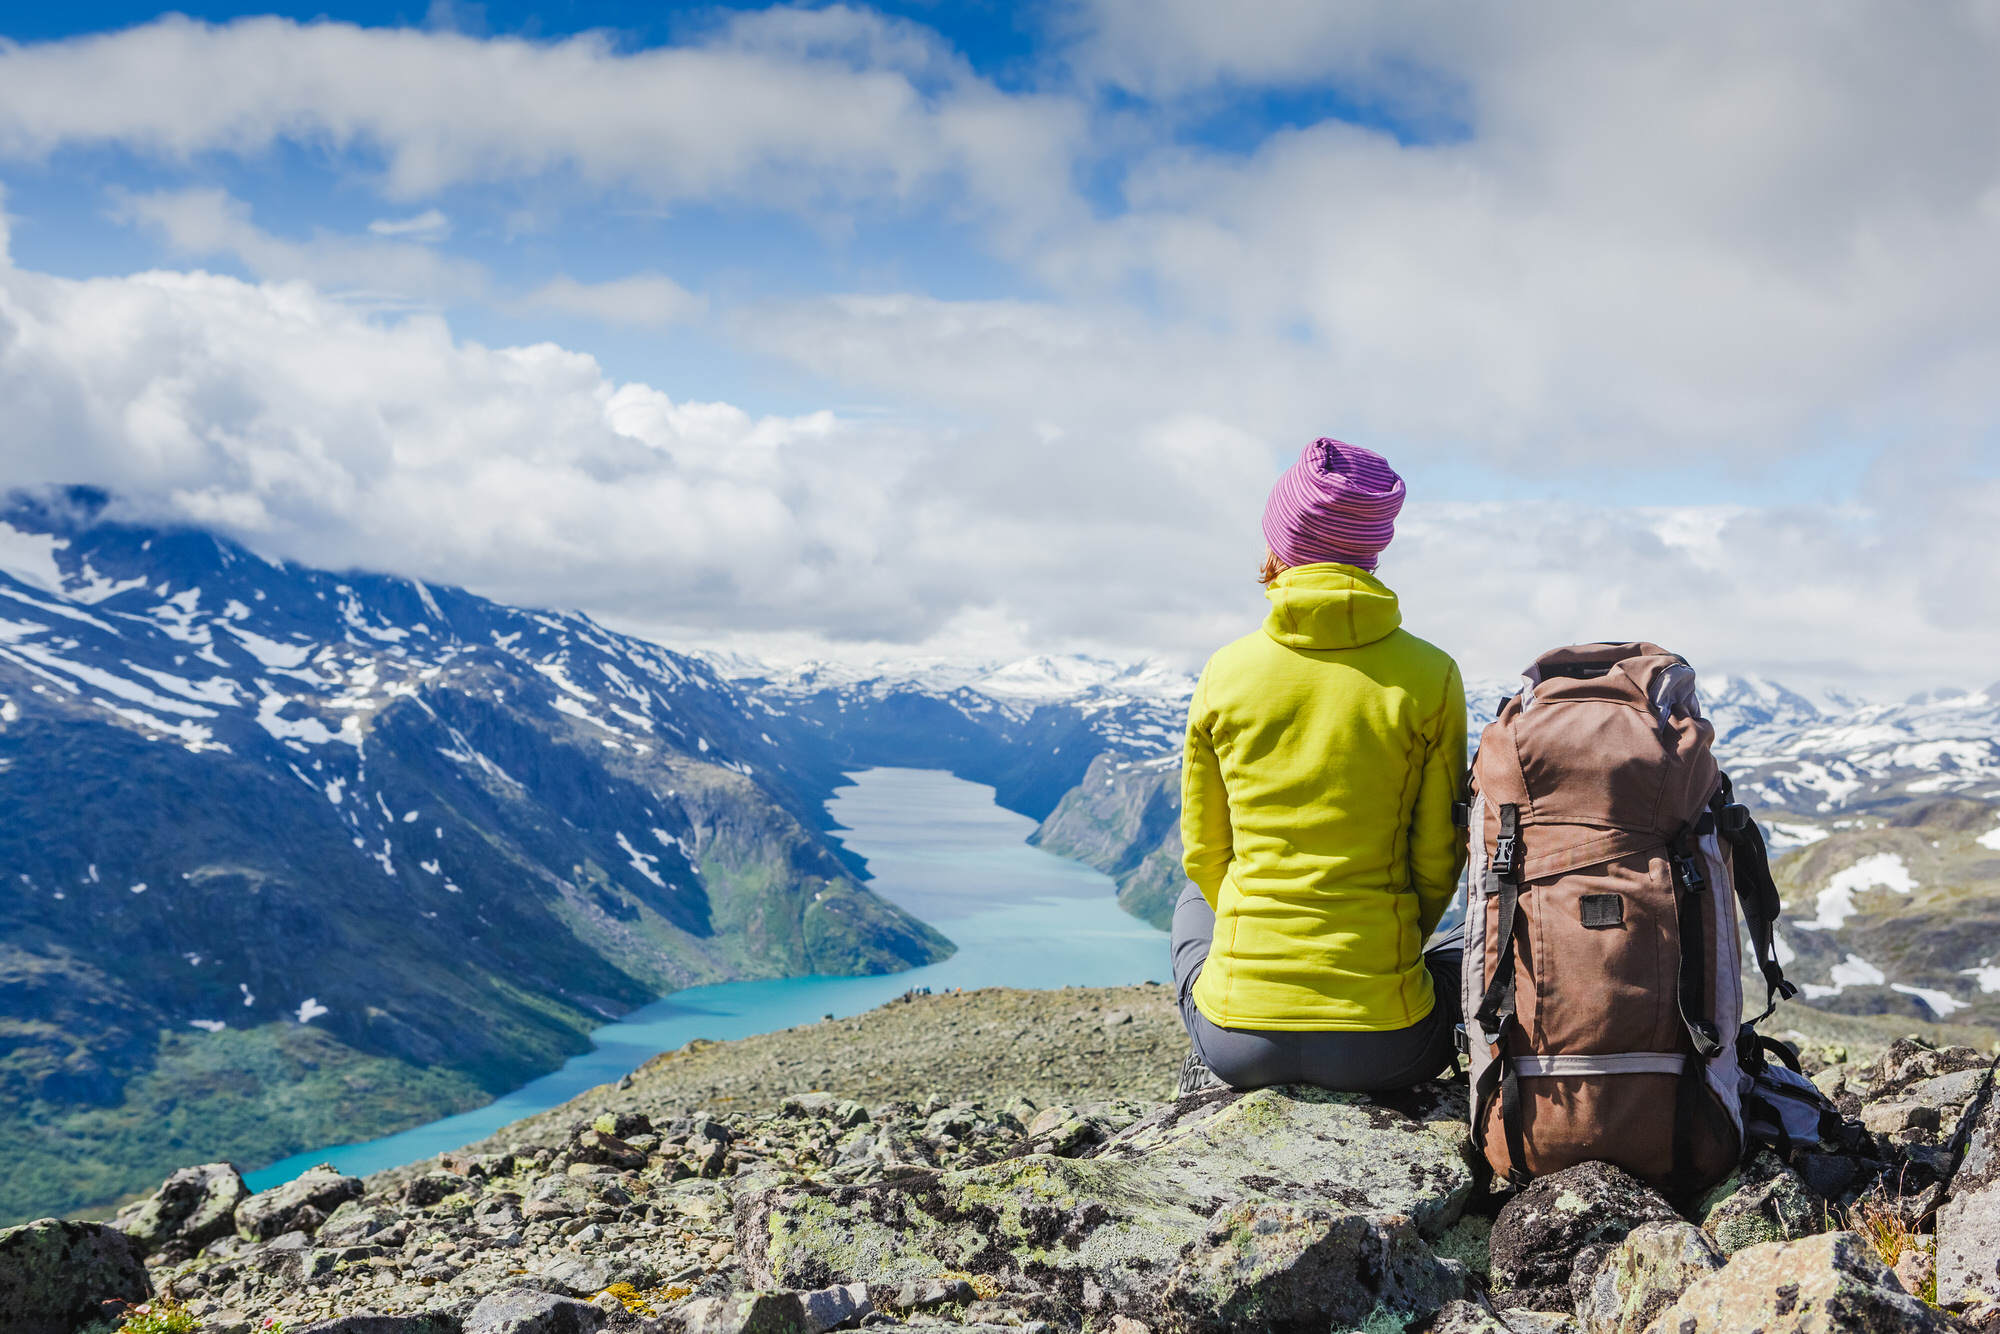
<point>1324,755</point>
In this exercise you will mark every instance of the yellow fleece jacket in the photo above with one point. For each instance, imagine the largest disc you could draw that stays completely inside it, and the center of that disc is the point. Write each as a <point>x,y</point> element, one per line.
<point>1324,753</point>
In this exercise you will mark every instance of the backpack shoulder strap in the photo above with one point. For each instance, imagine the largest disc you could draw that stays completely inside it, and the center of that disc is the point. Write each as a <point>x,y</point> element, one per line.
<point>1755,889</point>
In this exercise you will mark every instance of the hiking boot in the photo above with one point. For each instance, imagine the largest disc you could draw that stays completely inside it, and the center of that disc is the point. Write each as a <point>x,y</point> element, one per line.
<point>1196,1078</point>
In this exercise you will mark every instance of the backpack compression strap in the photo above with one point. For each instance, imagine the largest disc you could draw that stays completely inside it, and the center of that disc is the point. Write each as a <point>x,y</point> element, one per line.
<point>1757,891</point>
<point>1705,1041</point>
<point>1496,1007</point>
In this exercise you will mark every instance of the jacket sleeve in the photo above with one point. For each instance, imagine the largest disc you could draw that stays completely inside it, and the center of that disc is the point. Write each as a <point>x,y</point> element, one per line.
<point>1207,841</point>
<point>1437,845</point>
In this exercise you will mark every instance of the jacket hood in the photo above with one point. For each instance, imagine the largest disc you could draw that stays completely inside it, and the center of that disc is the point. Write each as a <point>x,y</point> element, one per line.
<point>1330,607</point>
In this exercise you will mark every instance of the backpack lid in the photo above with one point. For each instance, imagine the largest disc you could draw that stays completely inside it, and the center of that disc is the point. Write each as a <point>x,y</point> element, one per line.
<point>1605,743</point>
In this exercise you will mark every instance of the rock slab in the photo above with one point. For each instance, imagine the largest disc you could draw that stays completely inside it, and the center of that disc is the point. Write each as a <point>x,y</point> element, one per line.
<point>1105,1233</point>
<point>1278,1266</point>
<point>55,1275</point>
<point>1829,1284</point>
<point>525,1311</point>
<point>1645,1274</point>
<point>1968,1226</point>
<point>192,1207</point>
<point>300,1205</point>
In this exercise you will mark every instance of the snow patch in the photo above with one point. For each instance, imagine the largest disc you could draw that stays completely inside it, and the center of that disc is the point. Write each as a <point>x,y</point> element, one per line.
<point>207,1025</point>
<point>310,1009</point>
<point>1853,971</point>
<point>642,862</point>
<point>1781,836</point>
<point>309,730</point>
<point>1987,976</point>
<point>1836,901</point>
<point>269,651</point>
<point>1940,1003</point>
<point>1990,839</point>
<point>31,558</point>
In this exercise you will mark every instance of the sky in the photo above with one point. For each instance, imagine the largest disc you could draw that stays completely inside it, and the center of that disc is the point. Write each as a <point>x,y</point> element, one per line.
<point>983,329</point>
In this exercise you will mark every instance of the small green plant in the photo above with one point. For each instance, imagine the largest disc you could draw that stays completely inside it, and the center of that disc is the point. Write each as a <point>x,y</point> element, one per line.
<point>162,1315</point>
<point>1891,1237</point>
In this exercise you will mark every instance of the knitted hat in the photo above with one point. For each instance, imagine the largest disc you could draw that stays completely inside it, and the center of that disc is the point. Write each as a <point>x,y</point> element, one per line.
<point>1337,503</point>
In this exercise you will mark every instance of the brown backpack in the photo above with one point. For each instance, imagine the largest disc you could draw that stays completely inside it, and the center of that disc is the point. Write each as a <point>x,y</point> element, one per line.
<point>1603,990</point>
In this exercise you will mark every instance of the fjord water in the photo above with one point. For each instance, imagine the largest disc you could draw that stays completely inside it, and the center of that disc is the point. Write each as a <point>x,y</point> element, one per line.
<point>937,846</point>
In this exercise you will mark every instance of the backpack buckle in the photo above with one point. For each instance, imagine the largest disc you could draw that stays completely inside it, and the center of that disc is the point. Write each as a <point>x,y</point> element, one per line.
<point>1735,819</point>
<point>1506,856</point>
<point>1688,867</point>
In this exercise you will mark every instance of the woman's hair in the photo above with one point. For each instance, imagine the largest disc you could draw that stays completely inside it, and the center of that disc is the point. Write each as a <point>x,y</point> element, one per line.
<point>1272,567</point>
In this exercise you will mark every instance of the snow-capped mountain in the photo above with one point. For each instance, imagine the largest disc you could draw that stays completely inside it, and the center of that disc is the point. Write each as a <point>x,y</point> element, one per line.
<point>261,819</point>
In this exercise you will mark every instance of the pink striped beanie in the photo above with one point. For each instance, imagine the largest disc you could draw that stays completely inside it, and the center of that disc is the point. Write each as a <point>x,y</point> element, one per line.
<point>1337,503</point>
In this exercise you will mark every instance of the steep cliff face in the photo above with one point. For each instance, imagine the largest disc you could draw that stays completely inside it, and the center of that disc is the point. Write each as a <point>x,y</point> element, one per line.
<point>447,836</point>
<point>1124,819</point>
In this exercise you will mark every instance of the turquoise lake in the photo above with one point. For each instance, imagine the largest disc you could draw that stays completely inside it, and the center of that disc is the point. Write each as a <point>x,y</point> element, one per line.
<point>935,845</point>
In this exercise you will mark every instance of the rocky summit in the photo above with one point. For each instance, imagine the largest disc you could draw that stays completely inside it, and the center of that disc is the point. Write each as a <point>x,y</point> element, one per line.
<point>708,1193</point>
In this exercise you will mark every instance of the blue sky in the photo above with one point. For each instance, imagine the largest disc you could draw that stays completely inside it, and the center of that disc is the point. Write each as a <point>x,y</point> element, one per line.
<point>870,329</point>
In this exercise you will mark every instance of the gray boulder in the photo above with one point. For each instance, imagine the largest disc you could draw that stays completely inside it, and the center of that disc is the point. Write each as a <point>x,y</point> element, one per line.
<point>1968,1226</point>
<point>1828,1284</point>
<point>1769,1202</point>
<point>1272,1266</point>
<point>1643,1275</point>
<point>433,1188</point>
<point>367,1322</point>
<point>1102,1234</point>
<point>54,1276</point>
<point>1575,1215</point>
<point>526,1311</point>
<point>357,1223</point>
<point>746,1313</point>
<point>587,1275</point>
<point>300,1205</point>
<point>192,1207</point>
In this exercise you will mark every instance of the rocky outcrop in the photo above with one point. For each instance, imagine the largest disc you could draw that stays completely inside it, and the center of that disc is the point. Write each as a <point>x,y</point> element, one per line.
<point>1559,1228</point>
<point>192,1207</point>
<point>694,1200</point>
<point>1829,1284</point>
<point>300,1205</point>
<point>1644,1274</point>
<point>1968,1226</point>
<point>1201,1180</point>
<point>1765,1200</point>
<point>1275,1266</point>
<point>1124,819</point>
<point>55,1277</point>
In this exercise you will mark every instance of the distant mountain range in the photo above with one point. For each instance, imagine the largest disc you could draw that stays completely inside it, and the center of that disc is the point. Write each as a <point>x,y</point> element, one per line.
<point>295,857</point>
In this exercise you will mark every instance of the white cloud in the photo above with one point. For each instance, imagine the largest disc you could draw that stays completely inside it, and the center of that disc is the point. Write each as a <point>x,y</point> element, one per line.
<point>430,225</point>
<point>638,299</point>
<point>208,222</point>
<point>794,106</point>
<point>1617,251</point>
<point>317,431</point>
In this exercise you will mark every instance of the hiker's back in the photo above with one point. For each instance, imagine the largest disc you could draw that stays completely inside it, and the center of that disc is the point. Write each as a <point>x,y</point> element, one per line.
<point>1322,727</point>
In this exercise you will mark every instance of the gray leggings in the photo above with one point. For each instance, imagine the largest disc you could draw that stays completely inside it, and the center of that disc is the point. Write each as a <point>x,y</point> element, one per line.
<point>1347,1062</point>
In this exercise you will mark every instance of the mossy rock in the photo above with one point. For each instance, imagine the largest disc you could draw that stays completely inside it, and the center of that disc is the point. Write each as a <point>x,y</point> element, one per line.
<point>1107,1232</point>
